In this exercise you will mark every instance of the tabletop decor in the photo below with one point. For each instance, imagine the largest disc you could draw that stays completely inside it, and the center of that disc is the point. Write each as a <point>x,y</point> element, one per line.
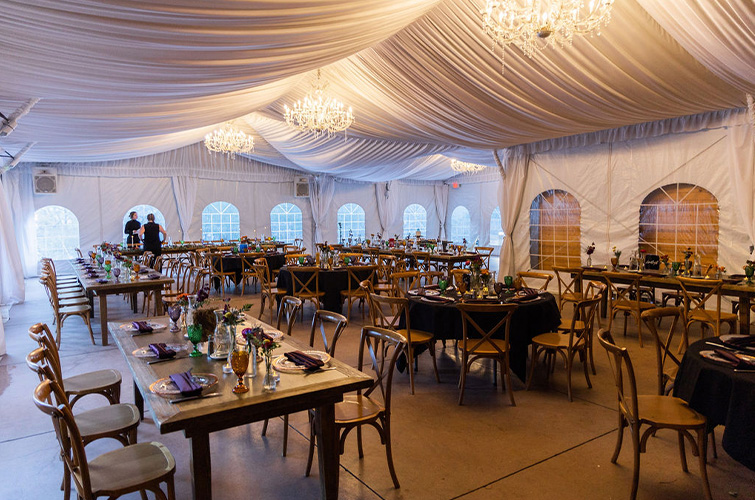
<point>664,259</point>
<point>589,251</point>
<point>615,258</point>
<point>266,345</point>
<point>230,318</point>
<point>239,363</point>
<point>189,303</point>
<point>749,271</point>
<point>688,261</point>
<point>720,272</point>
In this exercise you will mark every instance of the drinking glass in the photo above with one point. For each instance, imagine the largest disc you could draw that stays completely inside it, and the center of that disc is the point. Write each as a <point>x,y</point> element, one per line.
<point>675,266</point>
<point>108,267</point>
<point>116,273</point>
<point>194,332</point>
<point>239,362</point>
<point>137,267</point>
<point>508,281</point>
<point>174,313</point>
<point>442,284</point>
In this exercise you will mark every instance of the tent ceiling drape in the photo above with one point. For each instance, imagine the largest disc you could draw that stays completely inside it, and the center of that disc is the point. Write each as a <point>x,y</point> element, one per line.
<point>120,79</point>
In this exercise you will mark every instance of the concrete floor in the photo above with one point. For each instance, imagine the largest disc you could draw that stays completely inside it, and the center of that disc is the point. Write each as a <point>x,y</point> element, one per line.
<point>545,447</point>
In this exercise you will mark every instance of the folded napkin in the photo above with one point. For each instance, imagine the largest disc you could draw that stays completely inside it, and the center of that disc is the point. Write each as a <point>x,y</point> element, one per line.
<point>432,287</point>
<point>102,281</point>
<point>142,326</point>
<point>185,383</point>
<point>437,298</point>
<point>153,276</point>
<point>741,342</point>
<point>143,271</point>
<point>734,360</point>
<point>301,359</point>
<point>161,350</point>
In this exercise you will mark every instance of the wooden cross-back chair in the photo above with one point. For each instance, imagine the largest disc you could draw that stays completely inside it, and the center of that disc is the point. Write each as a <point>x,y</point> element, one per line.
<point>404,281</point>
<point>695,310</point>
<point>63,309</point>
<point>569,281</point>
<point>652,319</point>
<point>268,291</point>
<point>379,348</point>
<point>626,298</point>
<point>218,272</point>
<point>386,312</point>
<point>654,411</point>
<point>355,275</point>
<point>305,284</point>
<point>532,279</point>
<point>288,308</point>
<point>485,253</point>
<point>247,269</point>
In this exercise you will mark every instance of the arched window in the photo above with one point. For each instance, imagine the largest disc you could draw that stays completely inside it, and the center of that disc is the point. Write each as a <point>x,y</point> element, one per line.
<point>350,222</point>
<point>285,222</point>
<point>415,217</point>
<point>496,232</point>
<point>678,216</point>
<point>460,225</point>
<point>142,211</point>
<point>554,230</point>
<point>220,221</point>
<point>57,232</point>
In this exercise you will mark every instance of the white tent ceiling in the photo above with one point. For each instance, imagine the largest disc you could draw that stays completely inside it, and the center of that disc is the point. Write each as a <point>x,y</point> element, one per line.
<point>121,79</point>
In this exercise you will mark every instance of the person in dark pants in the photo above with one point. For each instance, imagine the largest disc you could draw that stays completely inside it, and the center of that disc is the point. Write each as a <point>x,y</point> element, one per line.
<point>132,230</point>
<point>150,234</point>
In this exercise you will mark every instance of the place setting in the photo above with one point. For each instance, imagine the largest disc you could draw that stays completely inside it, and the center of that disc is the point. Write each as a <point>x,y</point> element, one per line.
<point>143,327</point>
<point>185,386</point>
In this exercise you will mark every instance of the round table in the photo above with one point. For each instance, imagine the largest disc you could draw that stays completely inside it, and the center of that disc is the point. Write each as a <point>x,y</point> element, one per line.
<point>724,396</point>
<point>232,263</point>
<point>332,282</point>
<point>530,319</point>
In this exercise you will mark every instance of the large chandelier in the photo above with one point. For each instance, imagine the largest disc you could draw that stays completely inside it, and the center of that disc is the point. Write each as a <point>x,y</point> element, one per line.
<point>466,168</point>
<point>230,140</point>
<point>318,112</point>
<point>535,24</point>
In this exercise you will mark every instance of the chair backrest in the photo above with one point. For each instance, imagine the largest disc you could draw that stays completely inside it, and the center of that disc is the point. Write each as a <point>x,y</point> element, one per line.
<point>263,272</point>
<point>386,312</point>
<point>457,275</point>
<point>319,320</point>
<point>628,293</point>
<point>247,261</point>
<point>78,252</point>
<point>353,257</point>
<point>485,253</point>
<point>67,432</point>
<point>357,274</point>
<point>305,280</point>
<point>593,289</point>
<point>623,375</point>
<point>422,258</point>
<point>386,265</point>
<point>568,278</point>
<point>402,282</point>
<point>432,277</point>
<point>289,307</point>
<point>477,338</point>
<point>532,279</point>
<point>696,300</point>
<point>216,263</point>
<point>382,347</point>
<point>663,350</point>
<point>41,334</point>
<point>292,259</point>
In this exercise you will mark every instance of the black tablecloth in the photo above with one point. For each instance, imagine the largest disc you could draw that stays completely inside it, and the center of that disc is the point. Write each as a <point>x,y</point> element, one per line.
<point>724,397</point>
<point>332,282</point>
<point>529,320</point>
<point>232,263</point>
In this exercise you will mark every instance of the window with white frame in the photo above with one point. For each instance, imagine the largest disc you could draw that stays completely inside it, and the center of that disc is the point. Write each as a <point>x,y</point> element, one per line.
<point>496,232</point>
<point>350,222</point>
<point>286,222</point>
<point>415,218</point>
<point>554,230</point>
<point>220,221</point>
<point>57,232</point>
<point>461,224</point>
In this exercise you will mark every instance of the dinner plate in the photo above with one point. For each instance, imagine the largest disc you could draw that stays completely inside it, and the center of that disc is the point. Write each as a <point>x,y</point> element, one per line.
<point>282,363</point>
<point>711,355</point>
<point>156,327</point>
<point>165,387</point>
<point>276,335</point>
<point>146,352</point>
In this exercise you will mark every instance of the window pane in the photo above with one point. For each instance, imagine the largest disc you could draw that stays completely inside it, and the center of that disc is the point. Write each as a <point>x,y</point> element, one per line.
<point>496,233</point>
<point>351,222</point>
<point>220,221</point>
<point>415,218</point>
<point>286,222</point>
<point>554,230</point>
<point>57,232</point>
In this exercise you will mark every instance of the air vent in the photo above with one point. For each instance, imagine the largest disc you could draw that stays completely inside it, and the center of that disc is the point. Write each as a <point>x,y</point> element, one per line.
<point>45,181</point>
<point>301,188</point>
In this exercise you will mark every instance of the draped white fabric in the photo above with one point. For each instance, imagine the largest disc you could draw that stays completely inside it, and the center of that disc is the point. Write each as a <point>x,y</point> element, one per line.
<point>387,206</point>
<point>12,275</point>
<point>441,207</point>
<point>742,173</point>
<point>20,190</point>
<point>185,193</point>
<point>513,181</point>
<point>321,191</point>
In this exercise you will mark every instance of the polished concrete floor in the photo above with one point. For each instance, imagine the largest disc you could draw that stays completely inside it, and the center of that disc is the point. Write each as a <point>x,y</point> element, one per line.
<point>545,447</point>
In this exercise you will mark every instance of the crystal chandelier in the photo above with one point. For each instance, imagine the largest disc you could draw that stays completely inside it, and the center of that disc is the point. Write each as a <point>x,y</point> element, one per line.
<point>318,112</point>
<point>466,168</point>
<point>230,140</point>
<point>539,23</point>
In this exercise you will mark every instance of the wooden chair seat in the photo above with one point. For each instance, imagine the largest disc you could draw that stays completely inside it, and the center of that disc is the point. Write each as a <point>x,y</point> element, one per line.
<point>553,339</point>
<point>78,309</point>
<point>418,336</point>
<point>277,291</point>
<point>355,407</point>
<point>92,382</point>
<point>79,292</point>
<point>571,296</point>
<point>125,469</point>
<point>630,305</point>
<point>565,325</point>
<point>74,301</point>
<point>487,347</point>
<point>100,422</point>
<point>712,315</point>
<point>667,411</point>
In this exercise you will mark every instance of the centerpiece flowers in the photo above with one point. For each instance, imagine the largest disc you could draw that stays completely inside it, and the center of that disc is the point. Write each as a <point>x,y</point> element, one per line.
<point>589,251</point>
<point>664,258</point>
<point>230,318</point>
<point>615,258</point>
<point>749,269</point>
<point>476,270</point>
<point>258,340</point>
<point>327,254</point>
<point>688,261</point>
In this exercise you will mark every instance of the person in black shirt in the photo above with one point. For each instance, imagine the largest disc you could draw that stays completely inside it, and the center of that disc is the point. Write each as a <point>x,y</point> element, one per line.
<point>132,230</point>
<point>150,233</point>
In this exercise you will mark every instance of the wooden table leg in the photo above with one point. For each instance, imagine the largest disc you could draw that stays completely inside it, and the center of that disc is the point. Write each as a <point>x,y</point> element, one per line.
<point>744,315</point>
<point>158,301</point>
<point>201,472</point>
<point>328,452</point>
<point>135,302</point>
<point>103,317</point>
<point>139,401</point>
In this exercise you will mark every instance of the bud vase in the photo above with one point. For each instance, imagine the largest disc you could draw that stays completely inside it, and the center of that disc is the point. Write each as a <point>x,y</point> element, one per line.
<point>589,261</point>
<point>270,381</point>
<point>251,371</point>
<point>230,332</point>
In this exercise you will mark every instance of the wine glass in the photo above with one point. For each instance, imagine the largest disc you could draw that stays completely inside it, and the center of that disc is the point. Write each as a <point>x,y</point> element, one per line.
<point>442,284</point>
<point>108,267</point>
<point>194,332</point>
<point>508,281</point>
<point>239,363</point>
<point>675,266</point>
<point>116,273</point>
<point>174,313</point>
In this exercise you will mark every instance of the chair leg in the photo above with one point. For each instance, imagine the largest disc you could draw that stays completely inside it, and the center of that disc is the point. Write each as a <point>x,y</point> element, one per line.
<point>311,446</point>
<point>435,365</point>
<point>584,359</point>
<point>389,452</point>
<point>619,438</point>
<point>360,448</point>
<point>639,328</point>
<point>262,306</point>
<point>410,365</point>
<point>463,378</point>
<point>535,354</point>
<point>682,454</point>
<point>569,365</point>
<point>86,319</point>
<point>702,446</point>
<point>506,372</point>
<point>636,462</point>
<point>713,443</point>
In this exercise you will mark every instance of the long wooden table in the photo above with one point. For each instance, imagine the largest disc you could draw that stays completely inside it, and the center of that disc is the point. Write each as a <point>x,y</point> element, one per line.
<point>198,418</point>
<point>743,292</point>
<point>124,285</point>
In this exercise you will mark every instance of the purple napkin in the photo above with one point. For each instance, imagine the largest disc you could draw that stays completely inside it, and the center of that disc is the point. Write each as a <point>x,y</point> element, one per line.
<point>142,326</point>
<point>301,359</point>
<point>143,271</point>
<point>153,276</point>
<point>161,350</point>
<point>734,360</point>
<point>102,281</point>
<point>185,383</point>
<point>741,342</point>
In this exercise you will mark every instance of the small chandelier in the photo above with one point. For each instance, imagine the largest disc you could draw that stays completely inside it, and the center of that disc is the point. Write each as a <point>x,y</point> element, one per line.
<point>318,112</point>
<point>540,23</point>
<point>466,168</point>
<point>230,140</point>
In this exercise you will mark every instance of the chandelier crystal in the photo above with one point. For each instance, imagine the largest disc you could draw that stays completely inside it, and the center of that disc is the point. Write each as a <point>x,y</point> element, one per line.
<point>466,168</point>
<point>230,140</point>
<point>533,25</point>
<point>319,113</point>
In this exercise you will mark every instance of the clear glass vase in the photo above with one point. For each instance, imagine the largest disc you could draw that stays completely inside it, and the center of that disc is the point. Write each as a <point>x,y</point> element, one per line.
<point>589,261</point>
<point>230,332</point>
<point>220,345</point>
<point>251,371</point>
<point>270,380</point>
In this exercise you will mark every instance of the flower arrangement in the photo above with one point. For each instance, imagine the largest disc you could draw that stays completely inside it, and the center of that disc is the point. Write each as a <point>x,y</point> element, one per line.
<point>232,316</point>
<point>664,258</point>
<point>688,253</point>
<point>616,252</point>
<point>590,249</point>
<point>195,300</point>
<point>257,338</point>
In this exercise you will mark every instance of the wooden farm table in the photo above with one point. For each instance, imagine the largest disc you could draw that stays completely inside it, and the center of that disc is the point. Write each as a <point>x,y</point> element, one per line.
<point>198,418</point>
<point>124,285</point>
<point>659,280</point>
